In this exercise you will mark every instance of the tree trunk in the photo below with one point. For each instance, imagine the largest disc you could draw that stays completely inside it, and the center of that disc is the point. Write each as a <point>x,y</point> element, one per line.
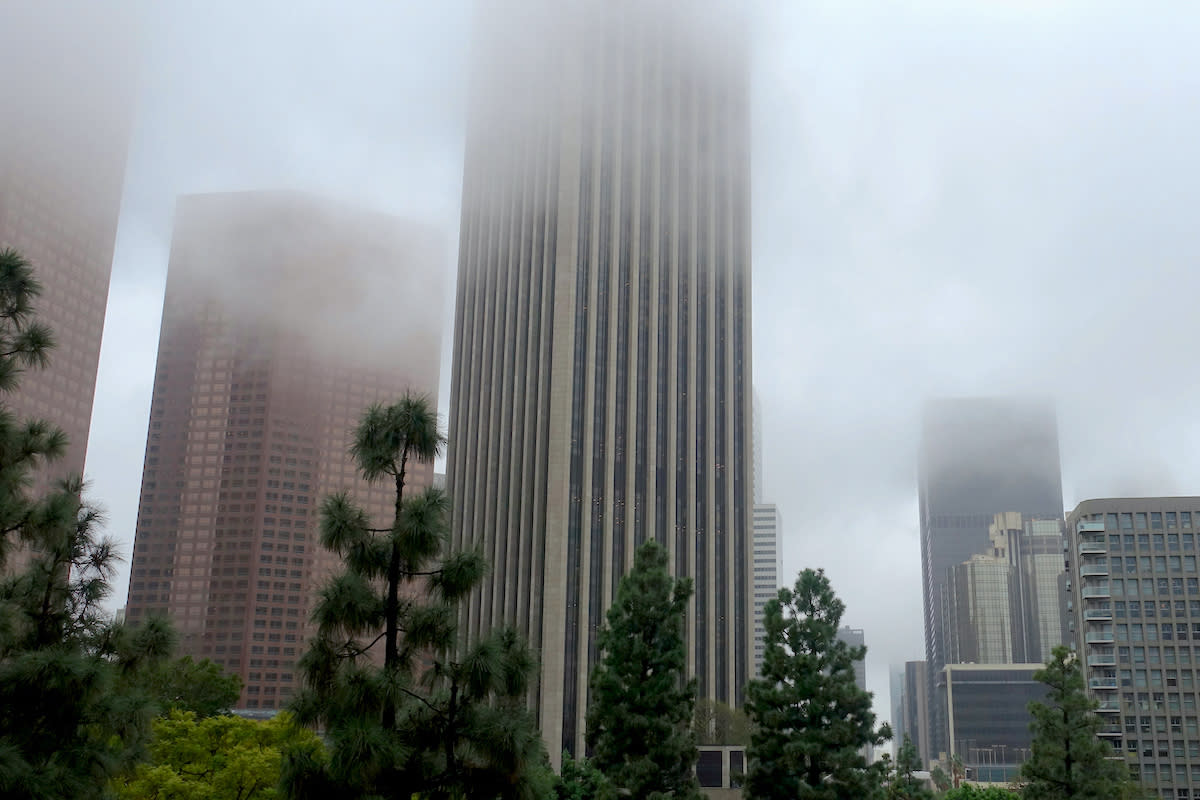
<point>391,645</point>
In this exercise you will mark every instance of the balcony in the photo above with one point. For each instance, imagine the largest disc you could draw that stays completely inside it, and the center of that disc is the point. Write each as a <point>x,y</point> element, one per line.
<point>1100,637</point>
<point>1095,590</point>
<point>1102,683</point>
<point>1109,707</point>
<point>1097,614</point>
<point>1110,730</point>
<point>1093,569</point>
<point>1093,547</point>
<point>1102,660</point>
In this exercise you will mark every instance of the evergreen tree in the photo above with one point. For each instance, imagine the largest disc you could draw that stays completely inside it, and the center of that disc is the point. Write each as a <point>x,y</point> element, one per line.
<point>811,721</point>
<point>1069,759</point>
<point>425,722</point>
<point>70,715</point>
<point>580,780</point>
<point>902,782</point>
<point>643,706</point>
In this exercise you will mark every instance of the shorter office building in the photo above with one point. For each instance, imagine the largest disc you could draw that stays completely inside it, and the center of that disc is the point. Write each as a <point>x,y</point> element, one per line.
<point>988,717</point>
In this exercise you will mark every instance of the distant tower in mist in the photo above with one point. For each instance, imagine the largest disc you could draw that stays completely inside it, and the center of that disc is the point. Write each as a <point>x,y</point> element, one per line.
<point>601,393</point>
<point>979,457</point>
<point>67,90</point>
<point>284,318</point>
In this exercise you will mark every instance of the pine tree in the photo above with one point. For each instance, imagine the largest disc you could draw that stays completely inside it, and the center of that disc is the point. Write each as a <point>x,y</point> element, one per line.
<point>811,721</point>
<point>426,722</point>
<point>71,712</point>
<point>902,782</point>
<point>1069,759</point>
<point>639,725</point>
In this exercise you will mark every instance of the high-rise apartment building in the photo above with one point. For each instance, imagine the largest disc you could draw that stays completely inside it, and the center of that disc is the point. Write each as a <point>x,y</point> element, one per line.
<point>1135,590</point>
<point>768,567</point>
<point>1005,606</point>
<point>978,457</point>
<point>601,393</point>
<point>284,318</point>
<point>68,90</point>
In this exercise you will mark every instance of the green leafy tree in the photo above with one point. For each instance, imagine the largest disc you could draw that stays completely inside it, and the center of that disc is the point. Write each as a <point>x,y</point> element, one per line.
<point>719,723</point>
<point>201,687</point>
<point>1069,759</point>
<point>941,780</point>
<point>902,782</point>
<point>639,725</point>
<point>69,717</point>
<point>216,758</point>
<point>433,720</point>
<point>811,721</point>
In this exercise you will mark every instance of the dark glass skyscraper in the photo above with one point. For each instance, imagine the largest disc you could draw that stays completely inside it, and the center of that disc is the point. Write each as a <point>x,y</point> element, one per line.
<point>602,381</point>
<point>979,457</point>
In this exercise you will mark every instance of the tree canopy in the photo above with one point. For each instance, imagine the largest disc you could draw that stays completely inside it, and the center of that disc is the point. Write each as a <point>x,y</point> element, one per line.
<point>71,716</point>
<point>639,723</point>
<point>1069,759</point>
<point>216,758</point>
<point>811,721</point>
<point>434,719</point>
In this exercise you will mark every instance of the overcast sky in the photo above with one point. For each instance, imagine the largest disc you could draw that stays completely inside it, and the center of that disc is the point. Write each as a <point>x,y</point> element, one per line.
<point>982,197</point>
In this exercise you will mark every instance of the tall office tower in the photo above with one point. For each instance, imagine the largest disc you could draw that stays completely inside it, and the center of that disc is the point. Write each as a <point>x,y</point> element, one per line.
<point>1005,606</point>
<point>916,707</point>
<point>768,569</point>
<point>1136,596</point>
<point>896,695</point>
<point>758,452</point>
<point>979,457</point>
<point>856,638</point>
<point>285,317</point>
<point>68,88</point>
<point>601,394</point>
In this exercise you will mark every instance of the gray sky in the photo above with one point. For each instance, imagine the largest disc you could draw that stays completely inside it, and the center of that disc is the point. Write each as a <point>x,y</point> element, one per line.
<point>989,197</point>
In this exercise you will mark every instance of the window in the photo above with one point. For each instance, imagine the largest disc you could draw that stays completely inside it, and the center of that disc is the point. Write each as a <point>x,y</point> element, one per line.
<point>1140,521</point>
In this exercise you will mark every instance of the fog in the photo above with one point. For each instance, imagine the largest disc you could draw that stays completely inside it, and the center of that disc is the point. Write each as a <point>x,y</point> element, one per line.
<point>950,198</point>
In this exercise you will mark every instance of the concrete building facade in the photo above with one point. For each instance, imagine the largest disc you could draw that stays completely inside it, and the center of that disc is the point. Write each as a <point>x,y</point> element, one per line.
<point>768,570</point>
<point>601,393</point>
<point>284,318</point>
<point>978,457</point>
<point>1135,589</point>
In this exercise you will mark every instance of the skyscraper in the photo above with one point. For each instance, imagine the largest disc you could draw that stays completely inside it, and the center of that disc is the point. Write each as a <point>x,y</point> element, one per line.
<point>768,567</point>
<point>979,457</point>
<point>68,93</point>
<point>285,317</point>
<point>1135,583</point>
<point>601,391</point>
<point>916,707</point>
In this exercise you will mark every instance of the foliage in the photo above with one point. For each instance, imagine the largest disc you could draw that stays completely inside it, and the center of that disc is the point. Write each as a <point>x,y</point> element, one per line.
<point>1069,758</point>
<point>214,758</point>
<point>811,721</point>
<point>642,709</point>
<point>971,792</point>
<point>940,779</point>
<point>434,720</point>
<point>718,723</point>
<point>902,783</point>
<point>201,687</point>
<point>70,717</point>
<point>580,780</point>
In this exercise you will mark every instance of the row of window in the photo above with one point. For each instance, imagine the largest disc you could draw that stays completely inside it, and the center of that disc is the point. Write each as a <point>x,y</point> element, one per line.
<point>1154,520</point>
